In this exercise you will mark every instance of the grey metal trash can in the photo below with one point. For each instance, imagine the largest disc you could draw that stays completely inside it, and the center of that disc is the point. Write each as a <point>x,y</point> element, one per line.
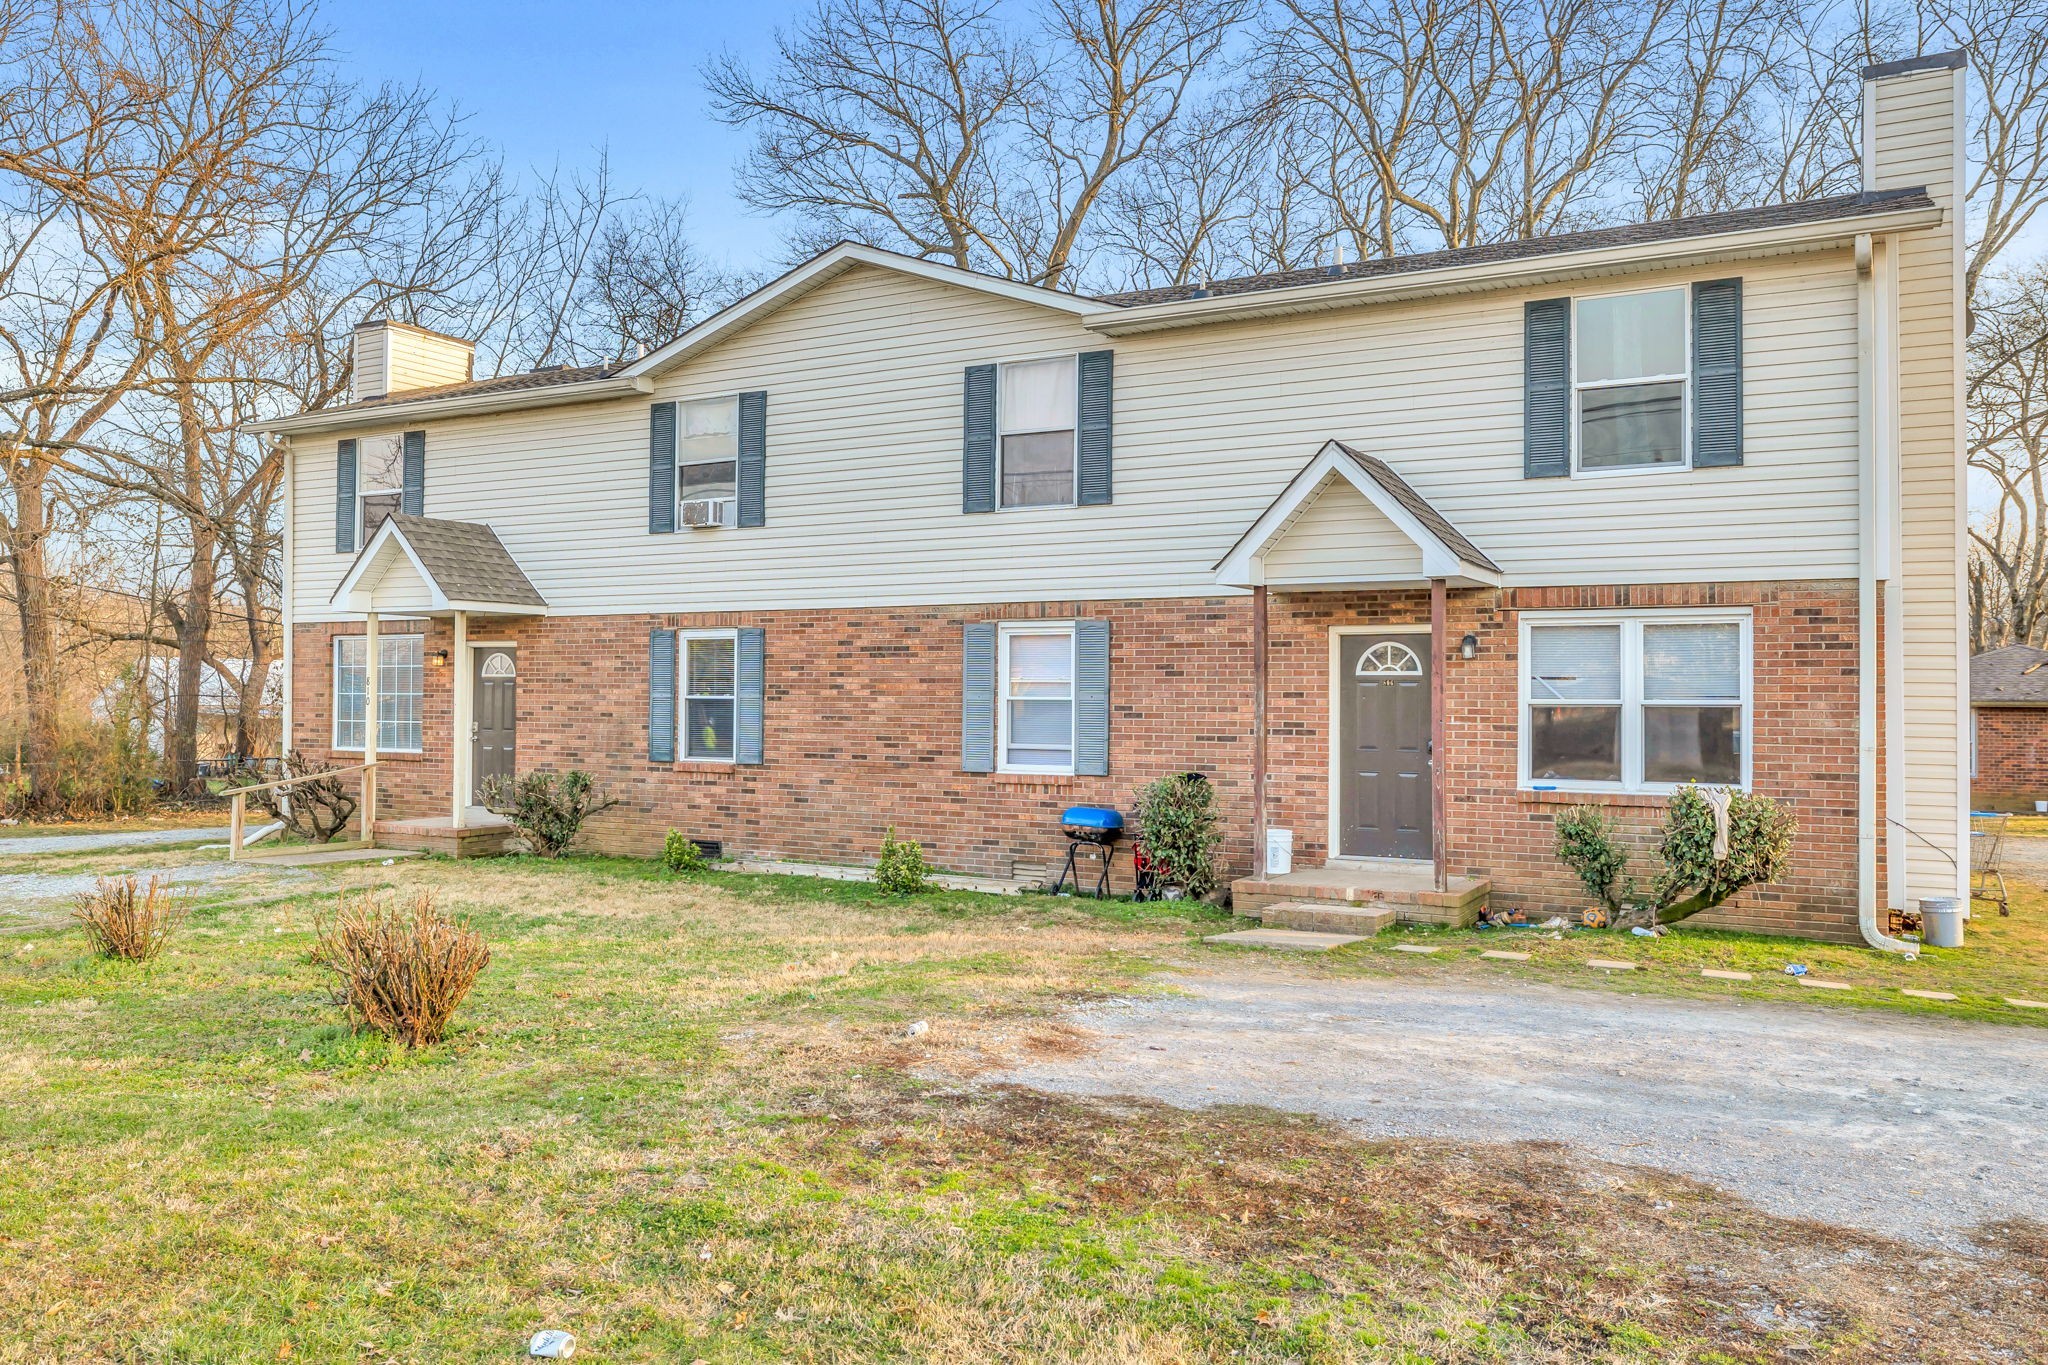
<point>1941,921</point>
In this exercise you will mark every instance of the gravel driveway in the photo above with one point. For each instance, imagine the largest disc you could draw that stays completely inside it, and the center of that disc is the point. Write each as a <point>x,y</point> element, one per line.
<point>20,845</point>
<point>1910,1128</point>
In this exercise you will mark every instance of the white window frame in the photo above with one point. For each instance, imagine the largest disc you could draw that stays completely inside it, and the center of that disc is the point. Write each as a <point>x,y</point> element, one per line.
<point>1632,703</point>
<point>1074,484</point>
<point>1005,632</point>
<point>682,464</point>
<point>684,696</point>
<point>1684,379</point>
<point>362,492</point>
<point>334,695</point>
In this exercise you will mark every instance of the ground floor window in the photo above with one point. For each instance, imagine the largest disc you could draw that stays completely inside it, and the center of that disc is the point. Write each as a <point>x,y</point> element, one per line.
<point>1035,672</point>
<point>1643,702</point>
<point>399,659</point>
<point>709,685</point>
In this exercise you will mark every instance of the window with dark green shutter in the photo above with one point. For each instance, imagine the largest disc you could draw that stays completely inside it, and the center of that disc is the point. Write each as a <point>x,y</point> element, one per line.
<point>978,440</point>
<point>345,498</point>
<point>413,492</point>
<point>661,469</point>
<point>661,696</point>
<point>978,697</point>
<point>1547,389</point>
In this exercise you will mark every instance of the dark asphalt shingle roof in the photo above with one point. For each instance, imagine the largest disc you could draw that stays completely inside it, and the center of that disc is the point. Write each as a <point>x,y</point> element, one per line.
<point>468,561</point>
<point>2016,675</point>
<point>504,383</point>
<point>1630,234</point>
<point>1382,473</point>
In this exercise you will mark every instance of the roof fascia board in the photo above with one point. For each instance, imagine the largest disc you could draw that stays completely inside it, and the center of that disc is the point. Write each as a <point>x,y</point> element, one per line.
<point>461,405</point>
<point>818,270</point>
<point>1564,265</point>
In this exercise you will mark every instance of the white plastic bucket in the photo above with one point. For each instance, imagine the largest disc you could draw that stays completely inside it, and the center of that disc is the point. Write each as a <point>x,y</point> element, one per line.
<point>1279,852</point>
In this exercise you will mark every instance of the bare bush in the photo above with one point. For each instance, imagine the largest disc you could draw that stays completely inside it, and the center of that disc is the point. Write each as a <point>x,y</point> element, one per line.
<point>316,810</point>
<point>128,920</point>
<point>403,968</point>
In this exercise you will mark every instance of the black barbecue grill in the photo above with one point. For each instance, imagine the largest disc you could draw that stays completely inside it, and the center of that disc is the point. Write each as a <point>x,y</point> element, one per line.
<point>1091,832</point>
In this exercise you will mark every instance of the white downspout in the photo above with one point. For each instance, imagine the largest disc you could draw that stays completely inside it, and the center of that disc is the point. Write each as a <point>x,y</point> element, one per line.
<point>1871,387</point>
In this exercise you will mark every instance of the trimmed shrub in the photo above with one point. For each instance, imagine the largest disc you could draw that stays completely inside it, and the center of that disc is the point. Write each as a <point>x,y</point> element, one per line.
<point>316,810</point>
<point>547,811</point>
<point>1760,836</point>
<point>1178,827</point>
<point>902,869</point>
<point>679,854</point>
<point>402,968</point>
<point>128,921</point>
<point>1586,845</point>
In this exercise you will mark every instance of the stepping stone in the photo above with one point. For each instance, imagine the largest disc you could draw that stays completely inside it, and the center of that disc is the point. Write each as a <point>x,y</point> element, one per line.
<point>2028,1004</point>
<point>1928,995</point>
<point>1503,955</point>
<point>1719,975</point>
<point>1608,964</point>
<point>1298,940</point>
<point>1820,985</point>
<point>1414,948</point>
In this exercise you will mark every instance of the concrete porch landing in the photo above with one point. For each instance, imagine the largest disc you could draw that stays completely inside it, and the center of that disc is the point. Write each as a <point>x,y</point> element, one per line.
<point>484,835</point>
<point>1410,892</point>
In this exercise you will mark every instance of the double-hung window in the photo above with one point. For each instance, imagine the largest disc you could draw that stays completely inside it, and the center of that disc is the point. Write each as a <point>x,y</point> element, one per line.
<point>380,482</point>
<point>1035,711</point>
<point>707,461</point>
<point>1035,412</point>
<point>1630,366</point>
<point>399,685</point>
<point>707,661</point>
<point>1635,703</point>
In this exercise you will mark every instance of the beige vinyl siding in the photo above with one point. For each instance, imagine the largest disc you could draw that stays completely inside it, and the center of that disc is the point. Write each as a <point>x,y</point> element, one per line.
<point>1919,145</point>
<point>1341,536</point>
<point>421,360</point>
<point>370,366</point>
<point>863,486</point>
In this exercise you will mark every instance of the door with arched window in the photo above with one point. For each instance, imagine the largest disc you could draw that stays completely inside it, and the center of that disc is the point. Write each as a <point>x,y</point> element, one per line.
<point>1383,772</point>
<point>494,730</point>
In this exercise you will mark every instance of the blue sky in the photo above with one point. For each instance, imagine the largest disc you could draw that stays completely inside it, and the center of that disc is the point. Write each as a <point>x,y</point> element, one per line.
<point>550,84</point>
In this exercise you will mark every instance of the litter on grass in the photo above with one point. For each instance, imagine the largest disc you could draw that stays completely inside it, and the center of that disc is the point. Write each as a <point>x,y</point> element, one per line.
<point>1795,969</point>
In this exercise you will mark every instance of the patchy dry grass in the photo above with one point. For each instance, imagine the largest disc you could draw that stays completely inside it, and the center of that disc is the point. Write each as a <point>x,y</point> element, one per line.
<point>684,1120</point>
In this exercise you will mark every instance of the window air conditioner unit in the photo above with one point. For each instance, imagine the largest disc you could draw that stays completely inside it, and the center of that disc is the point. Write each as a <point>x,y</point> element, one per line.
<point>701,513</point>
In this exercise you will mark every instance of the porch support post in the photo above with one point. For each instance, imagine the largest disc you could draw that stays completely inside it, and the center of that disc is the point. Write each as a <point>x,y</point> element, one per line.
<point>1259,730</point>
<point>1439,635</point>
<point>370,707</point>
<point>465,704</point>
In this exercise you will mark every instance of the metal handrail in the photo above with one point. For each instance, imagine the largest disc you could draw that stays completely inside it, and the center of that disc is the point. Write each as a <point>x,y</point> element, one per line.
<point>238,814</point>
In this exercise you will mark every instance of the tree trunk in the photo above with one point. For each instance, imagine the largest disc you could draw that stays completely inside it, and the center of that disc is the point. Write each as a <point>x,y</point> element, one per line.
<point>194,621</point>
<point>29,563</point>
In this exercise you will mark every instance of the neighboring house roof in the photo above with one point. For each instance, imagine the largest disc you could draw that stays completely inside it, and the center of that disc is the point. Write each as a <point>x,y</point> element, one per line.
<point>1830,209</point>
<point>464,564</point>
<point>1446,552</point>
<point>2016,675</point>
<point>1774,227</point>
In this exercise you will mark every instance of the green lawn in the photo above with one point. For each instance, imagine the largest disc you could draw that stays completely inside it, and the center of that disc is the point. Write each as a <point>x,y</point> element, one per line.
<point>682,1119</point>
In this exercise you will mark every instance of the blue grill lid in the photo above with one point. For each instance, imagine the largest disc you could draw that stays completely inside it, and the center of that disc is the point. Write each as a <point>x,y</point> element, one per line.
<point>1092,817</point>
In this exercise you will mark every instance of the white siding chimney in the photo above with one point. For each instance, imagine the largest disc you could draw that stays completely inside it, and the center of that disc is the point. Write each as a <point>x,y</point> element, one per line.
<point>394,357</point>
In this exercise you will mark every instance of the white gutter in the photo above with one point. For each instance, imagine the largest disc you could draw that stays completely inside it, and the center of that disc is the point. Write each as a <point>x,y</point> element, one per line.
<point>358,418</point>
<point>1537,269</point>
<point>1871,545</point>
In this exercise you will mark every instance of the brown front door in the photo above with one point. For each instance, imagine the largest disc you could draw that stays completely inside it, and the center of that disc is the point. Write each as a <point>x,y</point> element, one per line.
<point>1383,756</point>
<point>493,735</point>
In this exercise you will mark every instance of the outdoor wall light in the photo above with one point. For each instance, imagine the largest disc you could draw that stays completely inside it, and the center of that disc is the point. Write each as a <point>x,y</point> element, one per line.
<point>438,658</point>
<point>1468,648</point>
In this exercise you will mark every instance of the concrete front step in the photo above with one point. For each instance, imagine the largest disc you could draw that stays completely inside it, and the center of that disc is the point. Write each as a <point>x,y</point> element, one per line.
<point>1327,917</point>
<point>1411,893</point>
<point>1296,940</point>
<point>439,835</point>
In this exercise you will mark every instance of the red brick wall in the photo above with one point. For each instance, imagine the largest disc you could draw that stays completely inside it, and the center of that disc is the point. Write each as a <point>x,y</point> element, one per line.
<point>862,721</point>
<point>2012,757</point>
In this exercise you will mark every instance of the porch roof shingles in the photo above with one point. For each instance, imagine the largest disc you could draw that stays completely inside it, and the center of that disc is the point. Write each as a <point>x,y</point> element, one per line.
<point>2012,675</point>
<point>467,561</point>
<point>1420,507</point>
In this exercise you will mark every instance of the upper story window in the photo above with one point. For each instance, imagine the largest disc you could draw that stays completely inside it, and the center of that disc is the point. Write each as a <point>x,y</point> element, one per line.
<point>399,687</point>
<point>1632,356</point>
<point>707,462</point>
<point>1635,703</point>
<point>1035,414</point>
<point>380,482</point>
<point>1035,712</point>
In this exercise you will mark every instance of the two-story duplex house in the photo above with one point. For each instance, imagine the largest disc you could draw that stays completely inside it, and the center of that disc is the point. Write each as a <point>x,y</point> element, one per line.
<point>1403,553</point>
